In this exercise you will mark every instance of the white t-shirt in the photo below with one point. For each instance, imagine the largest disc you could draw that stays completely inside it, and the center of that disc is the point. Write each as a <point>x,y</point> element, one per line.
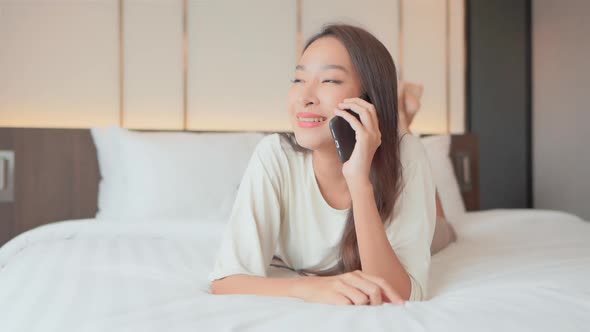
<point>279,210</point>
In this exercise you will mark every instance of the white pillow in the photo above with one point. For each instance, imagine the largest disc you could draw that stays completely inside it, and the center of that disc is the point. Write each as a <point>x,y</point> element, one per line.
<point>175,175</point>
<point>438,151</point>
<point>112,183</point>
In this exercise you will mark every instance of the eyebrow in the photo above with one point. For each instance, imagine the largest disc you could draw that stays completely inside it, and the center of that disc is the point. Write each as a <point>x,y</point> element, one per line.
<point>324,67</point>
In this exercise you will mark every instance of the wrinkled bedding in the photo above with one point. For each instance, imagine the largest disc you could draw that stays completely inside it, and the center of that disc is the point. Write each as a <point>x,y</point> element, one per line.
<point>511,269</point>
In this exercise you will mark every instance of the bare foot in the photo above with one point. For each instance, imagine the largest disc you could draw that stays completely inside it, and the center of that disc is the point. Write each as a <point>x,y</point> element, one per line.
<point>409,95</point>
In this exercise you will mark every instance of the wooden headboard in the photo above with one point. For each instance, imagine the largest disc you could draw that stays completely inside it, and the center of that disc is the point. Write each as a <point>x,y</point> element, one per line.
<point>465,157</point>
<point>56,176</point>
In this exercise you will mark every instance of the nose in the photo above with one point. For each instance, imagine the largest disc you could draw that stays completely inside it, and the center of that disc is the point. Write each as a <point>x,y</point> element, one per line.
<point>307,95</point>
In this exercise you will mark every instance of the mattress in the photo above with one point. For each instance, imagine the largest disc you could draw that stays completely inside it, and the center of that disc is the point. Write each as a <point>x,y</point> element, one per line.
<point>510,270</point>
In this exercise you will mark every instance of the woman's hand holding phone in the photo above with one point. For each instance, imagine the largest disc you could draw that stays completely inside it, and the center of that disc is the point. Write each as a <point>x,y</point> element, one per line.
<point>352,288</point>
<point>356,170</point>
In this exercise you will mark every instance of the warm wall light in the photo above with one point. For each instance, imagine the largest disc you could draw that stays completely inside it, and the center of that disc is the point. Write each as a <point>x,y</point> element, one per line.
<point>430,120</point>
<point>33,117</point>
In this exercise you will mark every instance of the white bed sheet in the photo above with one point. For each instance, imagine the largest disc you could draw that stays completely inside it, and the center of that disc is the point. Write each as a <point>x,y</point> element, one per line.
<point>511,270</point>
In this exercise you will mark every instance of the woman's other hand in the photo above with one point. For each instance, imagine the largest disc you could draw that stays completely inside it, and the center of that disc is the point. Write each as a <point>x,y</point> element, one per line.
<point>352,288</point>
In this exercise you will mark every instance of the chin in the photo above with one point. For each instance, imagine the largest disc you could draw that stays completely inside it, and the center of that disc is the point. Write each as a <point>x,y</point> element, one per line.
<point>314,139</point>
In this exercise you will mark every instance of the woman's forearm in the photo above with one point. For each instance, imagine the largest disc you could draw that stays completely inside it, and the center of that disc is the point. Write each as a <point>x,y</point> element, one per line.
<point>377,256</point>
<point>255,285</point>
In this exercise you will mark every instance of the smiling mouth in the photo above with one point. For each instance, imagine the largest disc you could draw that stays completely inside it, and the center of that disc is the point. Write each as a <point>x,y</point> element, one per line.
<point>321,119</point>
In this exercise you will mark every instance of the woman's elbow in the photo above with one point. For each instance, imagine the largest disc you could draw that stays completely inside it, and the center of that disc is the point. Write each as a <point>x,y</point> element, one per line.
<point>213,287</point>
<point>216,287</point>
<point>236,284</point>
<point>222,286</point>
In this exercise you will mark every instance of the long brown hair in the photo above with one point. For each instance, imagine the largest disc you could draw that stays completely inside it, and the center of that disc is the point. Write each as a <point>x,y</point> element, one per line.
<point>378,76</point>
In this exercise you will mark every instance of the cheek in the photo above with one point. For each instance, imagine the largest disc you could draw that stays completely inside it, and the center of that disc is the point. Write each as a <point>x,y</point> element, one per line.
<point>291,98</point>
<point>332,98</point>
<point>331,104</point>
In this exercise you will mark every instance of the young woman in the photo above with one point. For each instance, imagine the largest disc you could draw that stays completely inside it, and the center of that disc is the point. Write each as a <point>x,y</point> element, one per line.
<point>353,233</point>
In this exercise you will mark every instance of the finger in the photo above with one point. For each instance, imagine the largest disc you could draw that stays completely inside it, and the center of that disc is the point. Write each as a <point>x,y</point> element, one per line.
<point>368,106</point>
<point>368,287</point>
<point>358,100</point>
<point>341,299</point>
<point>371,289</point>
<point>355,295</point>
<point>390,292</point>
<point>354,122</point>
<point>366,117</point>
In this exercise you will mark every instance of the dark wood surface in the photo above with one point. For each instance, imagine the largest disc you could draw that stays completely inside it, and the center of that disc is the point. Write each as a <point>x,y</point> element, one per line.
<point>467,145</point>
<point>57,176</point>
<point>6,215</point>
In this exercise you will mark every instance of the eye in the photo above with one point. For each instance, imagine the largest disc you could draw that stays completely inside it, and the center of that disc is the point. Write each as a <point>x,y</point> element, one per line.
<point>295,80</point>
<point>334,81</point>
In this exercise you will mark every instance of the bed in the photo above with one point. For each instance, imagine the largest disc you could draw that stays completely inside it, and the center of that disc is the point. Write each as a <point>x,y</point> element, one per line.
<point>512,269</point>
<point>146,269</point>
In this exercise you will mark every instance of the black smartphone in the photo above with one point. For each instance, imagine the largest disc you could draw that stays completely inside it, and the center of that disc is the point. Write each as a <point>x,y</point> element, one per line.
<point>343,134</point>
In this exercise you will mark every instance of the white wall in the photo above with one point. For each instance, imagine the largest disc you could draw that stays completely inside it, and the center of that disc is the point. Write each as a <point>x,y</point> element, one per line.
<point>241,57</point>
<point>152,64</point>
<point>58,63</point>
<point>561,108</point>
<point>206,64</point>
